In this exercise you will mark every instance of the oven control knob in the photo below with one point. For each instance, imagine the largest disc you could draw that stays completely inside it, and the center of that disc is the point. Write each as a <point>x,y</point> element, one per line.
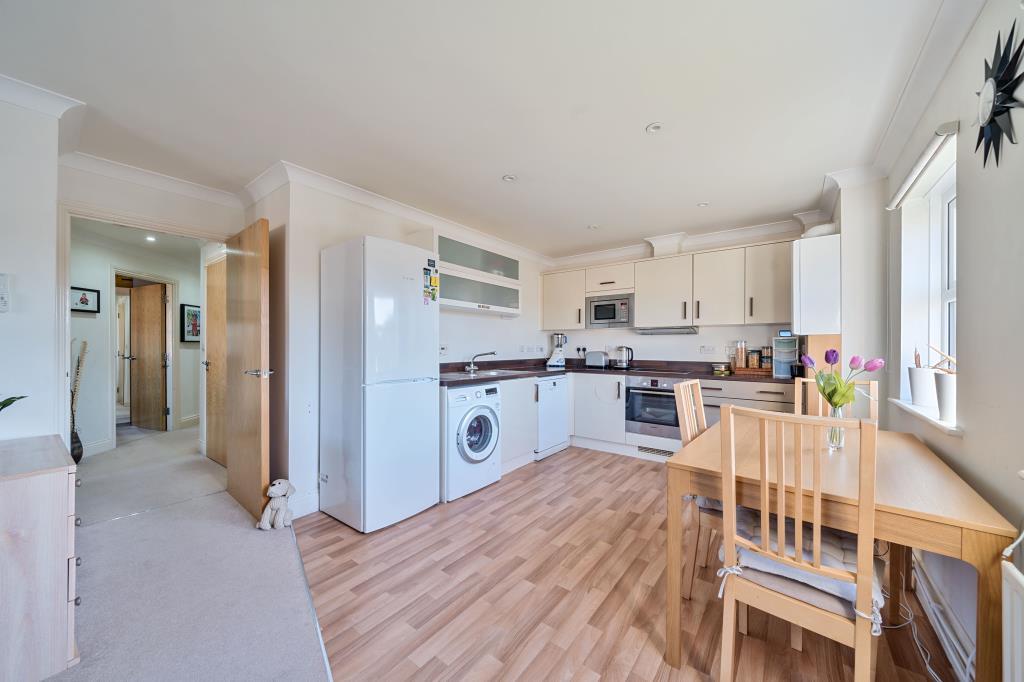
<point>479,394</point>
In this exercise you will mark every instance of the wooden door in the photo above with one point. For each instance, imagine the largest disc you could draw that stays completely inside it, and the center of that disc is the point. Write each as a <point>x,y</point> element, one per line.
<point>248,365</point>
<point>769,283</point>
<point>215,333</point>
<point>564,298</point>
<point>718,287</point>
<point>148,324</point>
<point>664,292</point>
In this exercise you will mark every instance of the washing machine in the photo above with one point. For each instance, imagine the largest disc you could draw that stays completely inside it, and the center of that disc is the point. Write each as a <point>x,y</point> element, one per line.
<point>471,453</point>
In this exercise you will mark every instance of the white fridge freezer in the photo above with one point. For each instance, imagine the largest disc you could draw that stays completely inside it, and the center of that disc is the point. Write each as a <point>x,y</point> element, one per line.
<point>379,415</point>
<point>552,416</point>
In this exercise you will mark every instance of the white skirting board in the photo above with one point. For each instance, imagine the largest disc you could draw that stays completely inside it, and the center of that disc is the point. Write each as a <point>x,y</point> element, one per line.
<point>615,448</point>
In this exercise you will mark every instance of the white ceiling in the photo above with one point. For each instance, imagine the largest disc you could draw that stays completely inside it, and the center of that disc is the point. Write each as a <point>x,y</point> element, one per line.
<point>430,103</point>
<point>181,248</point>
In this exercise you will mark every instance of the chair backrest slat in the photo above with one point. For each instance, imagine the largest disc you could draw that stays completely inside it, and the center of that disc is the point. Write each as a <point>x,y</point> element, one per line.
<point>762,427</point>
<point>798,492</point>
<point>816,404</point>
<point>690,410</point>
<point>799,448</point>
<point>780,486</point>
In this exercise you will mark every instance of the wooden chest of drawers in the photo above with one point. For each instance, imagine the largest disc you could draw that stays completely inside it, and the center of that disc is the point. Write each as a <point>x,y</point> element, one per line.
<point>37,558</point>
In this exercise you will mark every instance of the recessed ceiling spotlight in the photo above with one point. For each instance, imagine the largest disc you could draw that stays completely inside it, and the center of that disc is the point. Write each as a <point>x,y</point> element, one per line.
<point>150,238</point>
<point>509,177</point>
<point>592,227</point>
<point>653,128</point>
<point>703,204</point>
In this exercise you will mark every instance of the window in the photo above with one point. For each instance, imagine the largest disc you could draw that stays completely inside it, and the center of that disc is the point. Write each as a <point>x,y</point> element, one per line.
<point>942,216</point>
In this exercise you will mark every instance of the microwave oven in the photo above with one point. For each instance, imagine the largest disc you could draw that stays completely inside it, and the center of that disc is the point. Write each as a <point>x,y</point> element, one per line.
<point>614,310</point>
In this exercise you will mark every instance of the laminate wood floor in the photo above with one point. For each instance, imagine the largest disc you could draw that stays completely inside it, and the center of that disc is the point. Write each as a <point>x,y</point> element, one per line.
<point>555,572</point>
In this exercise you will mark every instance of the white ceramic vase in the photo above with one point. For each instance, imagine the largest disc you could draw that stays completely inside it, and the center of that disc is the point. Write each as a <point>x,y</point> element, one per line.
<point>922,386</point>
<point>945,394</point>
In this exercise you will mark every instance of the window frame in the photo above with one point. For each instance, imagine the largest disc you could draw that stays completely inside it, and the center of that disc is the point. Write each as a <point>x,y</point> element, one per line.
<point>942,289</point>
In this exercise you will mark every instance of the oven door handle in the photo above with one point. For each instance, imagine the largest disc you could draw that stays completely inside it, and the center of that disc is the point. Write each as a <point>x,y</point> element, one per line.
<point>641,391</point>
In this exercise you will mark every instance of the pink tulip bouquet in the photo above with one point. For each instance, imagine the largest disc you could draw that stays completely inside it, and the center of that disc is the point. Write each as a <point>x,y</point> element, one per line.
<point>836,390</point>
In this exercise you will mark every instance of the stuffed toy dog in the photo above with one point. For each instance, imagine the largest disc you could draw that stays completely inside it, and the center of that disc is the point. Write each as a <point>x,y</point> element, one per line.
<point>277,514</point>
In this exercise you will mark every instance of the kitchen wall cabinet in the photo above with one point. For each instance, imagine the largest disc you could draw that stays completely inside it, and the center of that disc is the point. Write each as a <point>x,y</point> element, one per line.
<point>817,284</point>
<point>615,277</point>
<point>768,283</point>
<point>599,407</point>
<point>718,288</point>
<point>563,300</point>
<point>664,292</point>
<point>461,290</point>
<point>518,436</point>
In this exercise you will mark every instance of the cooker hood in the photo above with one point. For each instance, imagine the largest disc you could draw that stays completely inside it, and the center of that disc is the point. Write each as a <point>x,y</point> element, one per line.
<point>665,330</point>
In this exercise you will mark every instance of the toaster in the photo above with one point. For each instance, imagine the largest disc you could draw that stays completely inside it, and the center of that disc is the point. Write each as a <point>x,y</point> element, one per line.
<point>596,358</point>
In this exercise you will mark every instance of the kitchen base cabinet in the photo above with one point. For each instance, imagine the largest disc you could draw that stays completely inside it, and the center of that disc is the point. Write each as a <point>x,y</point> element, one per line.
<point>599,407</point>
<point>37,558</point>
<point>518,436</point>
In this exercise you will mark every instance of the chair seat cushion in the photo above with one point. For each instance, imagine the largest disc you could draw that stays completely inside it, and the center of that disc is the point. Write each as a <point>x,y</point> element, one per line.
<point>838,550</point>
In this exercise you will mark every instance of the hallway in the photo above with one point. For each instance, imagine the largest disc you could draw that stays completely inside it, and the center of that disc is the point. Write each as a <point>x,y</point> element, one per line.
<point>175,580</point>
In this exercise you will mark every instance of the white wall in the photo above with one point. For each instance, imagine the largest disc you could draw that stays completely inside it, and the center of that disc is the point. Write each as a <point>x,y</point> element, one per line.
<point>673,347</point>
<point>93,262</point>
<point>28,254</point>
<point>990,250</point>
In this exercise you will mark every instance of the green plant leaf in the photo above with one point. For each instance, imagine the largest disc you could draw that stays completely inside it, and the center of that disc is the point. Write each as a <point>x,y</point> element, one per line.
<point>7,402</point>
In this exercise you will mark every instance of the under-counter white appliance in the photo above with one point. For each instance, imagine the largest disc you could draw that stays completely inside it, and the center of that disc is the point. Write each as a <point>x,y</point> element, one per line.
<point>552,416</point>
<point>379,412</point>
<point>471,458</point>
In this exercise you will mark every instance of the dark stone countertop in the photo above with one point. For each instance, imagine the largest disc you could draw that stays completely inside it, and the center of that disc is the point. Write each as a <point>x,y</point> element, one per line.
<point>453,373</point>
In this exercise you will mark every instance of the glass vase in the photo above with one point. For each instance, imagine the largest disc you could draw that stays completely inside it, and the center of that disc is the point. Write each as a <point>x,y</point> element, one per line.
<point>835,435</point>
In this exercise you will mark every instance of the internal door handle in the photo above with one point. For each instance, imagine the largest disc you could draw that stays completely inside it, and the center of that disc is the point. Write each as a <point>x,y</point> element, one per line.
<point>130,357</point>
<point>261,373</point>
<point>206,364</point>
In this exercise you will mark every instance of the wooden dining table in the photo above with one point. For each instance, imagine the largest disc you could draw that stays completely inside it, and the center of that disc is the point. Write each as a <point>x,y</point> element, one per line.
<point>920,502</point>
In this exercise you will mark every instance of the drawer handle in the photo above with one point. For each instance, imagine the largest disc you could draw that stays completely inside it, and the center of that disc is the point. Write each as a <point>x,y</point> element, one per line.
<point>78,520</point>
<point>710,388</point>
<point>604,283</point>
<point>78,601</point>
<point>773,392</point>
<point>78,561</point>
<point>78,483</point>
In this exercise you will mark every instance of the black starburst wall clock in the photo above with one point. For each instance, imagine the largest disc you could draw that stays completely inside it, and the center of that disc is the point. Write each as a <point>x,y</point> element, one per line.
<point>996,97</point>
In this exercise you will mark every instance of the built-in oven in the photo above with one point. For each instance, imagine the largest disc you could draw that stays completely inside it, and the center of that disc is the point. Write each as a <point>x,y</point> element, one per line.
<point>613,310</point>
<point>651,406</point>
<point>651,402</point>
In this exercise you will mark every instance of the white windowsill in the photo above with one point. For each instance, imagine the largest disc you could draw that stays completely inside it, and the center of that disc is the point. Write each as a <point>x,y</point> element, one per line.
<point>929,415</point>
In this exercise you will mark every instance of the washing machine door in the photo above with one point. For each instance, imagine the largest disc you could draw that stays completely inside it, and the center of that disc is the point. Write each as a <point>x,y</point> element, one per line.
<point>477,435</point>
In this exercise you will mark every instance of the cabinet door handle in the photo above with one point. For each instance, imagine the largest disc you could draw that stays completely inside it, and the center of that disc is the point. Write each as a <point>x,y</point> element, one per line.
<point>684,310</point>
<point>604,283</point>
<point>697,316</point>
<point>579,315</point>
<point>751,306</point>
<point>618,390</point>
<point>536,393</point>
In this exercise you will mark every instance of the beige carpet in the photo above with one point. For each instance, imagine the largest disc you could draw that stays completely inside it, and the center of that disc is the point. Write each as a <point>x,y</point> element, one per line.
<point>152,472</point>
<point>176,582</point>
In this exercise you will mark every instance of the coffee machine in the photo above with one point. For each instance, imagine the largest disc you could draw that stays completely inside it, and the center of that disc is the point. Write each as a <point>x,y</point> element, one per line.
<point>557,359</point>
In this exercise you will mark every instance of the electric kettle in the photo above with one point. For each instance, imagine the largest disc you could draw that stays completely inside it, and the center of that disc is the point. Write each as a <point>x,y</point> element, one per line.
<point>623,357</point>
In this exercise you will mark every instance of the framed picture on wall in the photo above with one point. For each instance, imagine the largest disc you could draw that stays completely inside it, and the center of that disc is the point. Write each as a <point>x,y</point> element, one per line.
<point>85,300</point>
<point>190,323</point>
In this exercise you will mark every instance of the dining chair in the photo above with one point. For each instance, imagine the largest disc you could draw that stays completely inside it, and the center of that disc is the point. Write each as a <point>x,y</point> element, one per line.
<point>816,402</point>
<point>773,567</point>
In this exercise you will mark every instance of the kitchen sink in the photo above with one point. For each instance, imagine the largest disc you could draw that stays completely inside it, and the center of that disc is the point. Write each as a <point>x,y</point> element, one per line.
<point>486,373</point>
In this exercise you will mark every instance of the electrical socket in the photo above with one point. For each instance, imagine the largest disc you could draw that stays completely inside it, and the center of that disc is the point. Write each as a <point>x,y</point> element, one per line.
<point>707,350</point>
<point>444,349</point>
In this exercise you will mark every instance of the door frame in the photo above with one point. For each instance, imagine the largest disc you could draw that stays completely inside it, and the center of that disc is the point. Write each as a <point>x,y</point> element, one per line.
<point>170,347</point>
<point>62,310</point>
